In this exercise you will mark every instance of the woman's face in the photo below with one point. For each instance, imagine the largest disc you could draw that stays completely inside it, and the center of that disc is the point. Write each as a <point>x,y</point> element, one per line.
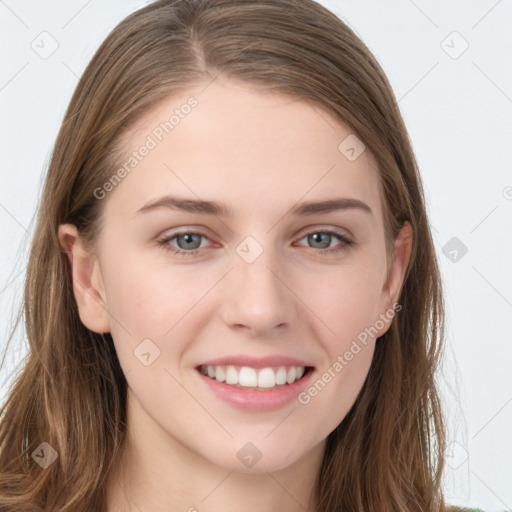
<point>261,273</point>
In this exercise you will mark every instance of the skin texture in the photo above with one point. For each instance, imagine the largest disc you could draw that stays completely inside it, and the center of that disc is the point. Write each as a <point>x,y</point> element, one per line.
<point>260,153</point>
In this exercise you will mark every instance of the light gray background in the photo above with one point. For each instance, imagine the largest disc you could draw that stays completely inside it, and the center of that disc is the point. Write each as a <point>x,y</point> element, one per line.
<point>458,109</point>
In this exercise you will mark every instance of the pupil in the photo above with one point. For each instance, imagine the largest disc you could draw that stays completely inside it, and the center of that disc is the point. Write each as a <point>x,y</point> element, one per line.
<point>317,235</point>
<point>188,239</point>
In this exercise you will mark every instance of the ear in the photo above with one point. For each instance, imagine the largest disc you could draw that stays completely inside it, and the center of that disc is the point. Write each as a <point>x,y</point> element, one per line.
<point>87,280</point>
<point>395,277</point>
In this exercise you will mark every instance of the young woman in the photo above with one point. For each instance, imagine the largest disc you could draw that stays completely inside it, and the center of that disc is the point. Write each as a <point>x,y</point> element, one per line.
<point>232,299</point>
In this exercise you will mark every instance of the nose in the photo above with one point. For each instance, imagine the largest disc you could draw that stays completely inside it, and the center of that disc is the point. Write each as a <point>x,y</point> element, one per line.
<point>258,298</point>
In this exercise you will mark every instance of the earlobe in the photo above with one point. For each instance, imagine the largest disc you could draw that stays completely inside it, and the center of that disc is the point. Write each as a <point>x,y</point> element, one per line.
<point>88,287</point>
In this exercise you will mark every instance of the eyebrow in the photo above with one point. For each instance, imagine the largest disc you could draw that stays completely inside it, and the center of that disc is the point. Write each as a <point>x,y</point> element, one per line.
<point>198,206</point>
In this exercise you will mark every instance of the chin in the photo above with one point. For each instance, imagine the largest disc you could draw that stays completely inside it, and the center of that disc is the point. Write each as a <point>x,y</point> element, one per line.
<point>257,459</point>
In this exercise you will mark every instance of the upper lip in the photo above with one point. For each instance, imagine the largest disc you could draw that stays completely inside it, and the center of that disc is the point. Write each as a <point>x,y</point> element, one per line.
<point>255,362</point>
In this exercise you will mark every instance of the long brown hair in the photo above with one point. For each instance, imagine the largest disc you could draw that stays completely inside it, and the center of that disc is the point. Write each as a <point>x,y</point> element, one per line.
<point>387,453</point>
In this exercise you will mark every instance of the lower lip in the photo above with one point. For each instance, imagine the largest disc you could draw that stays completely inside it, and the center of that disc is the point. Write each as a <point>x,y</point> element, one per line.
<point>257,401</point>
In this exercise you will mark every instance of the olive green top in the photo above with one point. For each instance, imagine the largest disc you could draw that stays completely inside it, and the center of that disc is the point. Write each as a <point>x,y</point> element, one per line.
<point>458,509</point>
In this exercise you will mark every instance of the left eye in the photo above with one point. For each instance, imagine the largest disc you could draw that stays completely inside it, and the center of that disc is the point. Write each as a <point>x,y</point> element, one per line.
<point>190,242</point>
<point>186,240</point>
<point>328,236</point>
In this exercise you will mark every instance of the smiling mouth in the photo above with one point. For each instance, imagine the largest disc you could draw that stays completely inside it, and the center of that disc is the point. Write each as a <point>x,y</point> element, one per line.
<point>255,379</point>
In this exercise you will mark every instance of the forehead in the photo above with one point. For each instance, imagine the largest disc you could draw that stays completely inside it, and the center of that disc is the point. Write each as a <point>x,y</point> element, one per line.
<point>248,148</point>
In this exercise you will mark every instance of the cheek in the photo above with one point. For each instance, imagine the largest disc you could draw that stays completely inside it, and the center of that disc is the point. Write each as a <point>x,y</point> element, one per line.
<point>348,300</point>
<point>349,306</point>
<point>331,396</point>
<point>151,299</point>
<point>159,303</point>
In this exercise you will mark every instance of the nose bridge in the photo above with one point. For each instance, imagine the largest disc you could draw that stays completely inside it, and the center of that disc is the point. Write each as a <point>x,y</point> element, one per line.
<point>258,299</point>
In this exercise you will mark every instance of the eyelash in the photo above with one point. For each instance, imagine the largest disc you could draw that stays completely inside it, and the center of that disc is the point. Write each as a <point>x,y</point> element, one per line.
<point>165,242</point>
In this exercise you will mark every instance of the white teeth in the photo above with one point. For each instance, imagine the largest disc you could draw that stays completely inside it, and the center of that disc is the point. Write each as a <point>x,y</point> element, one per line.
<point>245,376</point>
<point>231,375</point>
<point>266,378</point>
<point>292,373</point>
<point>219,374</point>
